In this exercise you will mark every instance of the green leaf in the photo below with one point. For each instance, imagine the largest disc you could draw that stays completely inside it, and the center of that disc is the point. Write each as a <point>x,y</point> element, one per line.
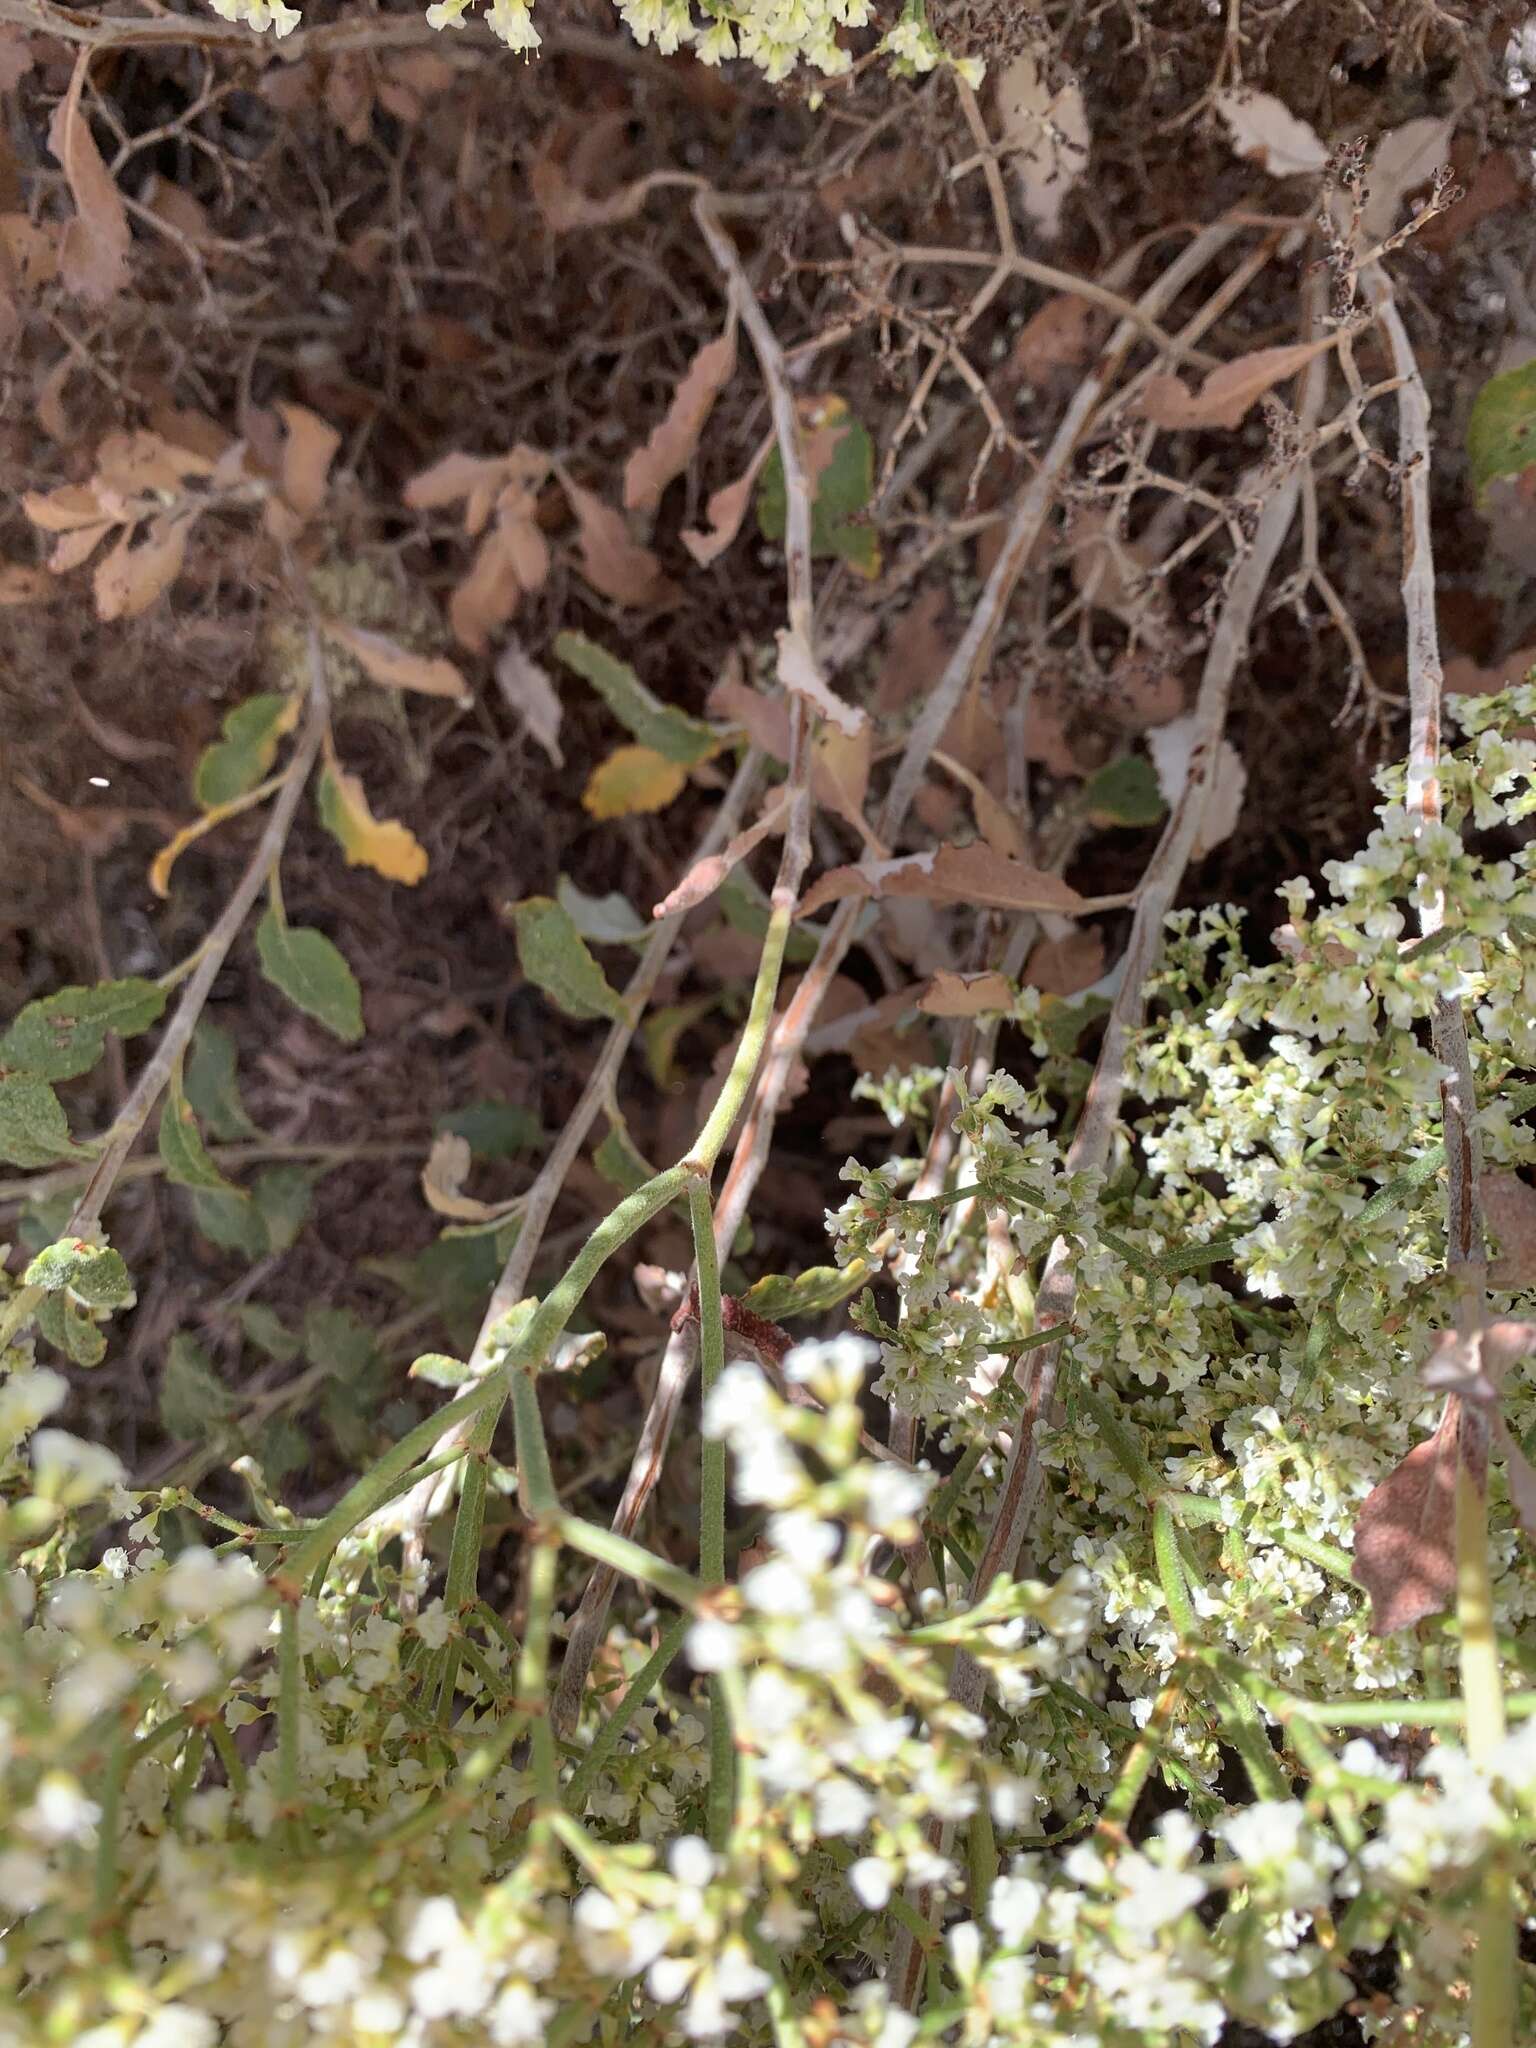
<point>265,1328</point>
<point>33,1127</point>
<point>236,763</point>
<point>492,1130</point>
<point>1063,1022</point>
<point>746,908</point>
<point>212,1085</point>
<point>40,1222</point>
<point>283,1448</point>
<point>1125,793</point>
<point>682,739</point>
<point>335,1339</point>
<point>282,1195</point>
<point>604,920</point>
<point>819,1288</point>
<point>182,1150</point>
<point>438,1370</point>
<point>555,959</point>
<point>312,974</point>
<point>195,1405</point>
<point>72,1330</point>
<point>661,1034</point>
<point>65,1034</point>
<point>227,1217</point>
<point>843,490</point>
<point>92,1273</point>
<point>1501,430</point>
<point>619,1161</point>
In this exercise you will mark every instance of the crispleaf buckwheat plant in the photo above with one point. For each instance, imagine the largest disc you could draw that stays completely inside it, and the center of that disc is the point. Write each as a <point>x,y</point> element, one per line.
<point>259,1789</point>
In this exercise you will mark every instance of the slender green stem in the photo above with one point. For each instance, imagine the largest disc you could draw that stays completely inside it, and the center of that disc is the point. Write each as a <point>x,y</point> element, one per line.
<point>1140,1759</point>
<point>632,1559</point>
<point>460,1587</point>
<point>108,1828</point>
<point>1170,1573</point>
<point>533,1669</point>
<point>229,1756</point>
<point>611,1734</point>
<point>717,1128</point>
<point>722,1756</point>
<point>538,1481</point>
<point>1482,1688</point>
<point>289,1706</point>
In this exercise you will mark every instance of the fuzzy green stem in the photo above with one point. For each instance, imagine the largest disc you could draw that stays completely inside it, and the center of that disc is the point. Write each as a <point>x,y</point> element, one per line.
<point>722,1756</point>
<point>289,1706</point>
<point>632,1559</point>
<point>1482,1687</point>
<point>1170,1573</point>
<point>717,1129</point>
<point>533,1670</point>
<point>611,1734</point>
<point>459,1590</point>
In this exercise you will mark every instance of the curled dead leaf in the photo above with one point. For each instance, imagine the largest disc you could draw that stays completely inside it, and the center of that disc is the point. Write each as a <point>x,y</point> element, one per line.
<point>670,447</point>
<point>800,676</point>
<point>385,661</point>
<point>974,875</point>
<point>443,1178</point>
<point>966,995</point>
<point>611,561</point>
<point>1230,390</point>
<point>706,875</point>
<point>1265,130</point>
<point>93,260</point>
<point>130,578</point>
<point>1405,1532</point>
<point>725,511</point>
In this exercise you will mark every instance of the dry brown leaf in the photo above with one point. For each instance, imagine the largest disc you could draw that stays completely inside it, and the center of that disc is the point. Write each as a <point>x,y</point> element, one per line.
<point>1509,1203</point>
<point>1490,184</point>
<point>443,1178</point>
<point>531,695</point>
<point>177,209</point>
<point>1068,965</point>
<point>1404,159</point>
<point>765,720</point>
<point>611,562</point>
<point>476,479</point>
<point>488,596</point>
<point>396,667</point>
<point>21,584</point>
<point>840,765</point>
<point>143,463</point>
<point>65,509</point>
<point>994,821</point>
<point>129,579</point>
<point>29,259</point>
<point>94,258</point>
<point>1062,335</point>
<point>706,875</point>
<point>563,206</point>
<point>915,652</point>
<point>1405,1533</point>
<point>72,550</point>
<point>1046,135</point>
<point>308,451</point>
<point>800,676</point>
<point>725,511</point>
<point>1264,130</point>
<point>972,875</point>
<point>966,995</point>
<point>17,55</point>
<point>1230,390</point>
<point>670,447</point>
<point>408,81</point>
<point>1463,677</point>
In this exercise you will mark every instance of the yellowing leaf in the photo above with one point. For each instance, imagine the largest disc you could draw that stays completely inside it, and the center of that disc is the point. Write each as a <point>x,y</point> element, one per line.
<point>160,867</point>
<point>386,661</point>
<point>632,779</point>
<point>368,842</point>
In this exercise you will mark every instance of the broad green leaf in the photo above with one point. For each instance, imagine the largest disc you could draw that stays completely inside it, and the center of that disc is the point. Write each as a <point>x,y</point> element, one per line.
<point>843,489</point>
<point>602,920</point>
<point>1125,793</point>
<point>212,1084</point>
<point>665,730</point>
<point>819,1288</point>
<point>619,1161</point>
<point>265,1328</point>
<point>43,1221</point>
<point>632,781</point>
<point>312,974</point>
<point>334,1338</point>
<point>438,1370</point>
<point>555,959</point>
<point>282,1196</point>
<point>33,1127</point>
<point>1063,1022</point>
<point>661,1033</point>
<point>283,1448</point>
<point>228,1218</point>
<point>93,1273</point>
<point>182,1150</point>
<point>236,763</point>
<point>746,909</point>
<point>1501,431</point>
<point>65,1034</point>
<point>492,1130</point>
<point>195,1405</point>
<point>72,1329</point>
<point>383,844</point>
